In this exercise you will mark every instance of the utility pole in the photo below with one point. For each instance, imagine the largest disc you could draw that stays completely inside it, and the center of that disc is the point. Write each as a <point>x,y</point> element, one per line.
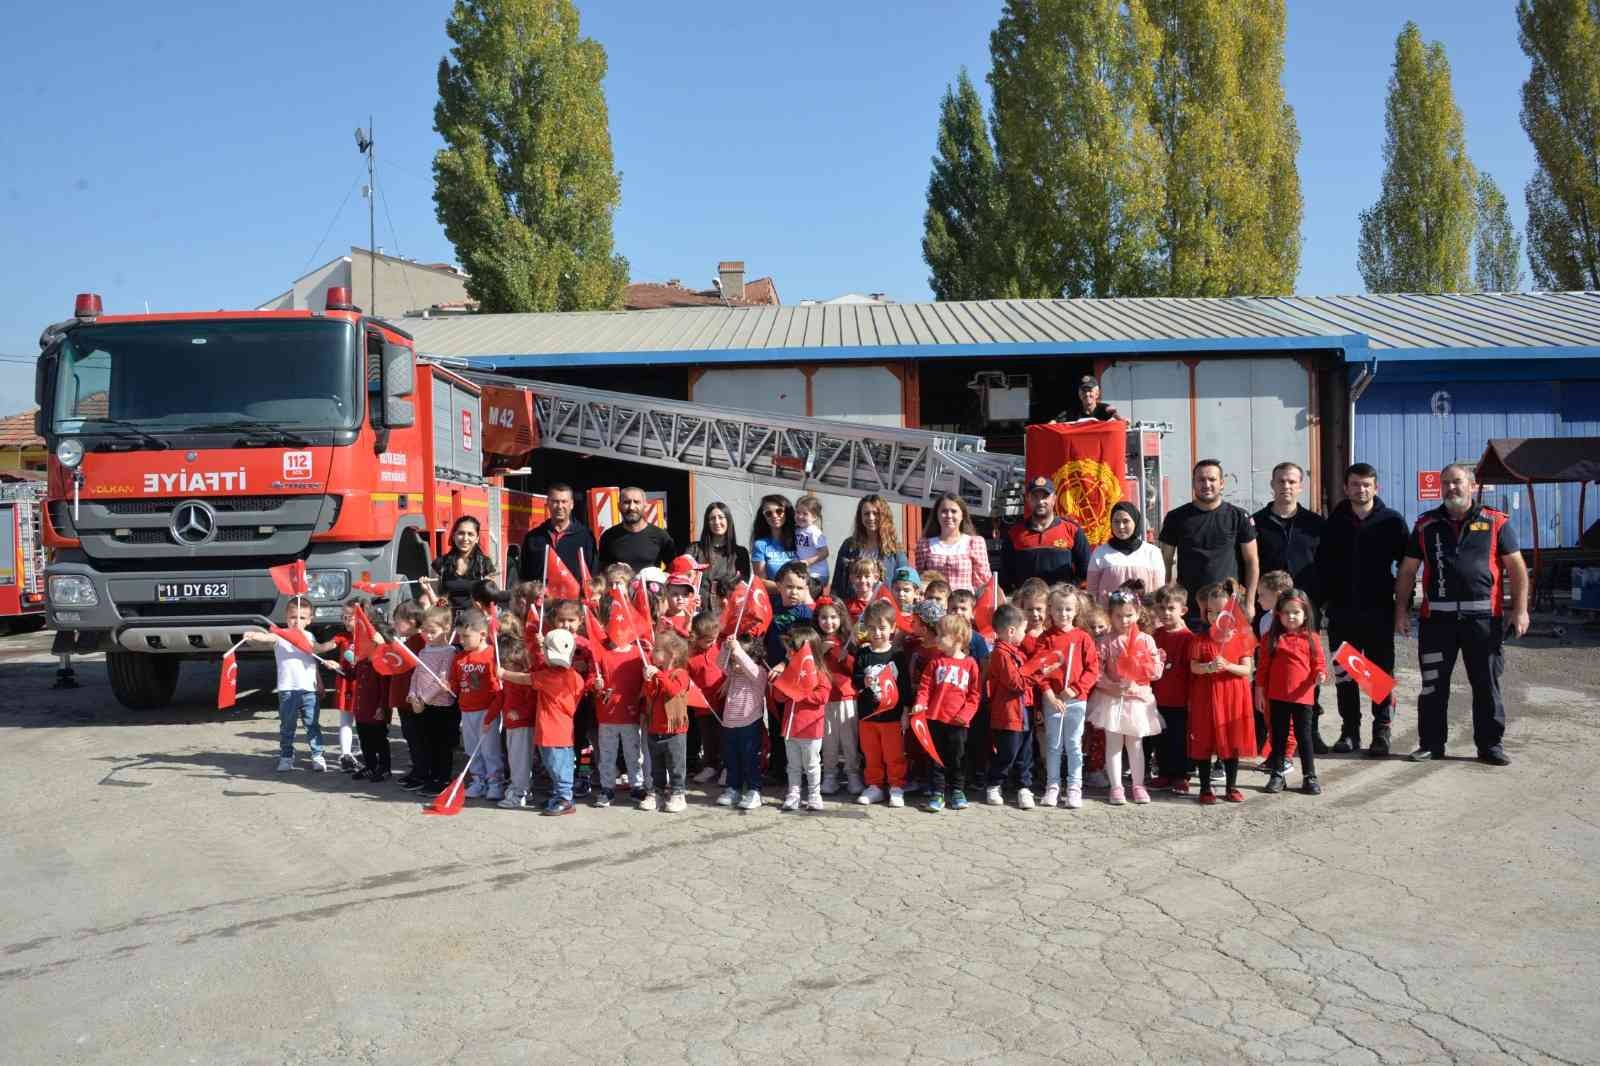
<point>364,145</point>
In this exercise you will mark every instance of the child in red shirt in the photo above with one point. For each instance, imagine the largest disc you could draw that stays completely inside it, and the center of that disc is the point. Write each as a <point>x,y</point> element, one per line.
<point>1289,670</point>
<point>477,686</point>
<point>618,686</point>
<point>1221,718</point>
<point>839,725</point>
<point>369,706</point>
<point>666,684</point>
<point>705,670</point>
<point>516,716</point>
<point>1010,704</point>
<point>865,577</point>
<point>1173,638</point>
<point>803,718</point>
<point>342,698</point>
<point>557,688</point>
<point>948,693</point>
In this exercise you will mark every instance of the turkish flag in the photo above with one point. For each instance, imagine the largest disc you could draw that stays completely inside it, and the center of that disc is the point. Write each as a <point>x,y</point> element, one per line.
<point>593,628</point>
<point>730,609</point>
<point>591,592</point>
<point>559,584</point>
<point>453,798</point>
<point>1042,665</point>
<point>374,588</point>
<point>919,729</point>
<point>299,638</point>
<point>228,684</point>
<point>621,629</point>
<point>696,698</point>
<point>365,634</point>
<point>888,691</point>
<point>902,620</point>
<point>644,617</point>
<point>758,616</point>
<point>1136,664</point>
<point>1232,631</point>
<point>799,678</point>
<point>1368,678</point>
<point>983,611</point>
<point>1086,462</point>
<point>290,578</point>
<point>393,658</point>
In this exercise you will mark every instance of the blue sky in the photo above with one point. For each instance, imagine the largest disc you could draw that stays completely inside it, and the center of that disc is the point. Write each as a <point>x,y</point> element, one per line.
<point>196,161</point>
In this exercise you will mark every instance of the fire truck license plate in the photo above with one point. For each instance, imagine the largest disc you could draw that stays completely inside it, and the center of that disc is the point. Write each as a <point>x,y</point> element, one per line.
<point>184,591</point>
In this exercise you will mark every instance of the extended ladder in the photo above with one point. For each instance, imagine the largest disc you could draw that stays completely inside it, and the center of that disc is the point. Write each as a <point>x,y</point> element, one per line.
<point>909,466</point>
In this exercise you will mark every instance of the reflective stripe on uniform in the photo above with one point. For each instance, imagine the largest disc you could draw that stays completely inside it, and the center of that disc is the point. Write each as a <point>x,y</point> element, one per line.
<point>1460,606</point>
<point>1433,656</point>
<point>1427,690</point>
<point>1430,675</point>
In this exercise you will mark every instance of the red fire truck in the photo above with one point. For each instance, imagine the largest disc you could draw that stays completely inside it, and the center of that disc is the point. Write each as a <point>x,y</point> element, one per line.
<point>190,452</point>
<point>22,559</point>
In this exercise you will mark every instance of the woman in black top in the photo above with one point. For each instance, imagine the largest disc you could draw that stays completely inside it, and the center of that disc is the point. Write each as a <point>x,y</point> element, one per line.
<point>718,548</point>
<point>458,571</point>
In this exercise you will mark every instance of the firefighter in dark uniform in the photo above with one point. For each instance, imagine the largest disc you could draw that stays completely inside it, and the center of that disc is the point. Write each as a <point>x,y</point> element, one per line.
<point>1044,544</point>
<point>1466,553</point>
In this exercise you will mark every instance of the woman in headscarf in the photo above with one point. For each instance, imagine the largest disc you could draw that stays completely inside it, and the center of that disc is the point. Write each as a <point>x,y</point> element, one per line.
<point>1127,555</point>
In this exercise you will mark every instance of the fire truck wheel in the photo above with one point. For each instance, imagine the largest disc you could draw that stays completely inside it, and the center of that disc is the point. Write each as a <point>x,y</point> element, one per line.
<point>28,623</point>
<point>142,682</point>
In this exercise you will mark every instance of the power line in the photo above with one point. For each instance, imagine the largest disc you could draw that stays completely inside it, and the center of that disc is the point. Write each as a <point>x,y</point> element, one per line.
<point>332,223</point>
<point>404,275</point>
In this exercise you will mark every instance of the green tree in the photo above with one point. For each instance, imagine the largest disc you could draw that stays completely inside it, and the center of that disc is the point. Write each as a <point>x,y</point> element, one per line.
<point>1497,252</point>
<point>963,229</point>
<point>1561,113</point>
<point>1418,236</point>
<point>1082,166</point>
<point>1230,222</point>
<point>525,187</point>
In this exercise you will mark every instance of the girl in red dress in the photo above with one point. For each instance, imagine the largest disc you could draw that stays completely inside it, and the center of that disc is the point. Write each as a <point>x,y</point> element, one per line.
<point>1221,707</point>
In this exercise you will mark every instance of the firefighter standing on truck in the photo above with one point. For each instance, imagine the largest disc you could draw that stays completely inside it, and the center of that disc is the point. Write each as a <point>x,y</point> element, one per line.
<point>1464,550</point>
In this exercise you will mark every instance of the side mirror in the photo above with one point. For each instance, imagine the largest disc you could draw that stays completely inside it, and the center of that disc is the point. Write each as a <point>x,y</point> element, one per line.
<point>398,414</point>
<point>399,382</point>
<point>44,381</point>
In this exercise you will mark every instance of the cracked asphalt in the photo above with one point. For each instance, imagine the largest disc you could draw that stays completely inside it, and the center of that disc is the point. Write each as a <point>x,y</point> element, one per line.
<point>169,898</point>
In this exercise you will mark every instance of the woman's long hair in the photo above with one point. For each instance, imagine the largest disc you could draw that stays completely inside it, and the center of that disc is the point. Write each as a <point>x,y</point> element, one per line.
<point>727,544</point>
<point>761,529</point>
<point>887,537</point>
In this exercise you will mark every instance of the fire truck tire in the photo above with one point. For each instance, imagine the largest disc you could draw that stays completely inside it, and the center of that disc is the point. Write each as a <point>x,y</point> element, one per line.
<point>29,623</point>
<point>142,682</point>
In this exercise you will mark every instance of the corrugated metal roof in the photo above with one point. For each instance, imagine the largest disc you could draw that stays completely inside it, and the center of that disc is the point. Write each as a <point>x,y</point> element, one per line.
<point>1410,326</point>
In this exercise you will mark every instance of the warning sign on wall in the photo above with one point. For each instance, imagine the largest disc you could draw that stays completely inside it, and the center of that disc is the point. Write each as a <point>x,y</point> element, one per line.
<point>1428,485</point>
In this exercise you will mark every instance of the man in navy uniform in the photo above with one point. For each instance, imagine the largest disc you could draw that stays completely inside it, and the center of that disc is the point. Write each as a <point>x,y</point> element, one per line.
<point>1044,544</point>
<point>1466,552</point>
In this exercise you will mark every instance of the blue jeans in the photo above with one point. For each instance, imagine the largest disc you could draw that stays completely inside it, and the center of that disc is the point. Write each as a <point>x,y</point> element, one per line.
<point>559,763</point>
<point>298,706</point>
<point>1063,735</point>
<point>741,756</point>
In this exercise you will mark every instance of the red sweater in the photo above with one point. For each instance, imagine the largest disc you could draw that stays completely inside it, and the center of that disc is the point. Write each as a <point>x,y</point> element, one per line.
<point>622,674</point>
<point>803,718</point>
<point>841,666</point>
<point>853,608</point>
<point>370,690</point>
<point>1288,672</point>
<point>1172,687</point>
<point>473,676</point>
<point>400,684</point>
<point>556,692</point>
<point>658,690</point>
<point>1085,668</point>
<point>342,698</point>
<point>950,689</point>
<point>705,670</point>
<point>1010,694</point>
<point>516,703</point>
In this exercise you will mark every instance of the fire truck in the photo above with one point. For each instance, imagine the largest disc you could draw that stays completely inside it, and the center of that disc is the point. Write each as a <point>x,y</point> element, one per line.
<point>191,452</point>
<point>22,557</point>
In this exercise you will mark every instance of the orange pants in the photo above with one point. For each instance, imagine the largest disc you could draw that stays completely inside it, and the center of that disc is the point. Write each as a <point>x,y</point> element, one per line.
<point>883,749</point>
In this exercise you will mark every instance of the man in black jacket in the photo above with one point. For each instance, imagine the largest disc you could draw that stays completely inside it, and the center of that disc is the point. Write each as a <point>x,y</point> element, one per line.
<point>1287,536</point>
<point>1363,541</point>
<point>568,537</point>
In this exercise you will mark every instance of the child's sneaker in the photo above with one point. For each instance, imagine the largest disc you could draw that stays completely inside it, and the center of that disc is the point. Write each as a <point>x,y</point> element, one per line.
<point>750,800</point>
<point>347,762</point>
<point>475,788</point>
<point>814,802</point>
<point>1115,797</point>
<point>1311,786</point>
<point>581,786</point>
<point>1074,800</point>
<point>513,800</point>
<point>556,808</point>
<point>830,784</point>
<point>1275,783</point>
<point>1207,796</point>
<point>854,785</point>
<point>1139,794</point>
<point>602,798</point>
<point>958,800</point>
<point>1180,786</point>
<point>285,765</point>
<point>319,764</point>
<point>637,794</point>
<point>1234,796</point>
<point>791,801</point>
<point>648,803</point>
<point>1052,793</point>
<point>1025,799</point>
<point>676,803</point>
<point>728,798</point>
<point>496,791</point>
<point>935,803</point>
<point>869,795</point>
<point>706,775</point>
<point>897,797</point>
<point>992,796</point>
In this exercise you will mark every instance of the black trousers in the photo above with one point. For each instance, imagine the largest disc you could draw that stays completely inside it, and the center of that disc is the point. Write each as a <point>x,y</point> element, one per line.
<point>950,741</point>
<point>374,746</point>
<point>1477,640</point>
<point>416,743</point>
<point>442,728</point>
<point>1174,738</point>
<point>1013,750</point>
<point>1371,632</point>
<point>1284,715</point>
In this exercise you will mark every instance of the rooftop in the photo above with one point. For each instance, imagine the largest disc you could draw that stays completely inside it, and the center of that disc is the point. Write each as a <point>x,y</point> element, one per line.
<point>16,431</point>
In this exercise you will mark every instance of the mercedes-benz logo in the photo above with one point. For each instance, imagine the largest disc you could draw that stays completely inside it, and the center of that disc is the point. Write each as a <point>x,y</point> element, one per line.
<point>193,522</point>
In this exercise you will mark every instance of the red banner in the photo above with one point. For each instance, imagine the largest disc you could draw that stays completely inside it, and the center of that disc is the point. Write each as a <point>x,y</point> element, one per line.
<point>1086,461</point>
<point>1368,677</point>
<point>508,423</point>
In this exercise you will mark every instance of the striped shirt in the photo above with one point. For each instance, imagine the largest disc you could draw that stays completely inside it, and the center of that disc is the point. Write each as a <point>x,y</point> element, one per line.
<point>746,699</point>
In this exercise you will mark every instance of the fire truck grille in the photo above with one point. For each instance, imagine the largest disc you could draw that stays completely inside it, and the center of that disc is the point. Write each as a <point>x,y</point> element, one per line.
<point>122,532</point>
<point>225,535</point>
<point>221,504</point>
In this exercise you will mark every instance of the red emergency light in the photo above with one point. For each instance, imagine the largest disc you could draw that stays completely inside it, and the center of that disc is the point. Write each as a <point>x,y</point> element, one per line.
<point>339,299</point>
<point>87,305</point>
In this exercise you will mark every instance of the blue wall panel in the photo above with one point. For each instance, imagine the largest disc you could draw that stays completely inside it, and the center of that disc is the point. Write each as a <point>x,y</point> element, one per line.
<point>1580,417</point>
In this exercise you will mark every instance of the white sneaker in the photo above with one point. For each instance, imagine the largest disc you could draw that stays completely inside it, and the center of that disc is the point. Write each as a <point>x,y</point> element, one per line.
<point>791,801</point>
<point>728,797</point>
<point>319,764</point>
<point>1025,799</point>
<point>475,788</point>
<point>1074,800</point>
<point>496,791</point>
<point>513,800</point>
<point>285,765</point>
<point>706,774</point>
<point>676,803</point>
<point>1051,794</point>
<point>855,785</point>
<point>648,803</point>
<point>814,802</point>
<point>897,797</point>
<point>750,800</point>
<point>830,784</point>
<point>870,794</point>
<point>993,797</point>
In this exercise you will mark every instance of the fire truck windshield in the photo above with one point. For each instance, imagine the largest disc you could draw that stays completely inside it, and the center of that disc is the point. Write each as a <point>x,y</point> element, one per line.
<point>290,373</point>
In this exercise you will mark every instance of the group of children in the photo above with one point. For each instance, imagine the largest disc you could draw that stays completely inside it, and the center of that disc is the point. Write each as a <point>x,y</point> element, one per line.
<point>890,691</point>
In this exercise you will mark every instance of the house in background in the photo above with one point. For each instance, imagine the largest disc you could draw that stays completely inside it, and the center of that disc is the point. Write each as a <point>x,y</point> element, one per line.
<point>728,289</point>
<point>22,452</point>
<point>403,286</point>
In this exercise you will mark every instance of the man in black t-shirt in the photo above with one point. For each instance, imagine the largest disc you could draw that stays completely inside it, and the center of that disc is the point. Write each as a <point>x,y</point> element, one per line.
<point>633,540</point>
<point>1208,540</point>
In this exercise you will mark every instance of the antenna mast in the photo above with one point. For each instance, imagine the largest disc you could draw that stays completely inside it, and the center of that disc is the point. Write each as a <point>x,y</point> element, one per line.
<point>364,145</point>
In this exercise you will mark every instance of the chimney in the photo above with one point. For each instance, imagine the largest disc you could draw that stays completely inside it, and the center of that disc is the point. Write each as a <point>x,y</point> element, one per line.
<point>731,274</point>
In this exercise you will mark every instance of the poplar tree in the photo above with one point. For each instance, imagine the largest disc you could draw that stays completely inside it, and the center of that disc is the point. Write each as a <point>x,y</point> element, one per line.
<point>525,186</point>
<point>1497,252</point>
<point>1561,114</point>
<point>963,238</point>
<point>1083,167</point>
<point>1230,222</point>
<point>1417,237</point>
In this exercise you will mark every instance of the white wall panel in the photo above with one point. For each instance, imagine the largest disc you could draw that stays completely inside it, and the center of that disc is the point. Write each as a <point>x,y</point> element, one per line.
<point>1156,391</point>
<point>866,394</point>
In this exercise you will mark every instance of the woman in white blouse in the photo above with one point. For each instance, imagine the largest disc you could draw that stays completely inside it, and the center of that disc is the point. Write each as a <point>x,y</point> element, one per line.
<point>1125,556</point>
